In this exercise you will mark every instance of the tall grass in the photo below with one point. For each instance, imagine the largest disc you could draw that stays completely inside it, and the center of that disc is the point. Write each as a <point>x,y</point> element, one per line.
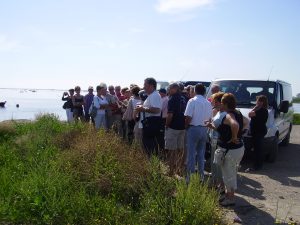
<point>56,173</point>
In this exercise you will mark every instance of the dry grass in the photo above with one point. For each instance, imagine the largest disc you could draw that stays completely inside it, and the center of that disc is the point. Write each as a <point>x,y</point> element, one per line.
<point>105,163</point>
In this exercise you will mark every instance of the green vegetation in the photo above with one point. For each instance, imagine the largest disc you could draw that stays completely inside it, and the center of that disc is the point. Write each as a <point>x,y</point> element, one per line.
<point>296,119</point>
<point>55,173</point>
<point>296,100</point>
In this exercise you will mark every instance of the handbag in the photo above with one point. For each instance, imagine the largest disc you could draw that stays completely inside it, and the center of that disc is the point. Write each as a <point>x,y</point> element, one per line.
<point>219,156</point>
<point>93,110</point>
<point>65,105</point>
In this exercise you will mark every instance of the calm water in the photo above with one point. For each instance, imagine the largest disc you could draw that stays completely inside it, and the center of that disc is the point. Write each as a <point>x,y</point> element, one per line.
<point>31,103</point>
<point>41,101</point>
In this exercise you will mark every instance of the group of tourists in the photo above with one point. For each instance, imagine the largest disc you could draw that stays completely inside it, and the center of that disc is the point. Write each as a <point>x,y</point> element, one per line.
<point>176,125</point>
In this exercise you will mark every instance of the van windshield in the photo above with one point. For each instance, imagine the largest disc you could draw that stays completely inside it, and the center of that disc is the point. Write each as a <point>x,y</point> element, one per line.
<point>246,91</point>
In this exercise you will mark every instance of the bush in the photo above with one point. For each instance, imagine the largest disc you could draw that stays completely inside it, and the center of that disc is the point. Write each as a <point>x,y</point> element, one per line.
<point>55,173</point>
<point>296,119</point>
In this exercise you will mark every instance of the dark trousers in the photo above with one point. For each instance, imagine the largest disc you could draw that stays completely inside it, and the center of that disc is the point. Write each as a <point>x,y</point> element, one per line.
<point>258,151</point>
<point>152,143</point>
<point>130,128</point>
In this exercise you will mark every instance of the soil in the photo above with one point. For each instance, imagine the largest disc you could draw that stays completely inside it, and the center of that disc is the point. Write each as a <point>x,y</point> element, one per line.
<point>272,195</point>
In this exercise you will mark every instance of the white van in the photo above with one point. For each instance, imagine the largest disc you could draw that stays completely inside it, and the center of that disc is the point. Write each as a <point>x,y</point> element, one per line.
<point>281,111</point>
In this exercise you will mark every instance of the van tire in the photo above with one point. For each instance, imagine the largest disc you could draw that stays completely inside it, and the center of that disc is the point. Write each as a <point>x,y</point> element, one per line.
<point>273,151</point>
<point>286,140</point>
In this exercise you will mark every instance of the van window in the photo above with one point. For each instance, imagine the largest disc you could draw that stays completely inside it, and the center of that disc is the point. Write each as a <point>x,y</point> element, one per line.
<point>246,91</point>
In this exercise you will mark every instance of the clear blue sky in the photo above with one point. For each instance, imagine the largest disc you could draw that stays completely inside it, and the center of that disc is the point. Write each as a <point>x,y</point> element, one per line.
<point>61,43</point>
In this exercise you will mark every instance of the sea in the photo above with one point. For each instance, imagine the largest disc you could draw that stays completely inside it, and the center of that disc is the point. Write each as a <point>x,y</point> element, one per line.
<point>33,102</point>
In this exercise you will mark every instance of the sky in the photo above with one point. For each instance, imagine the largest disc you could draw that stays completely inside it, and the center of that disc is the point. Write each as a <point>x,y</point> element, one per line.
<point>62,43</point>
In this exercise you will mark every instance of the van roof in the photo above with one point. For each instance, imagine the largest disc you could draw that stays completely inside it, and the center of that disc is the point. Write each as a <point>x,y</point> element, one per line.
<point>232,79</point>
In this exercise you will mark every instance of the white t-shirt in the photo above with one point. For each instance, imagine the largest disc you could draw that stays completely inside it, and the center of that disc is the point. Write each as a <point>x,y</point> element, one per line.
<point>98,102</point>
<point>199,109</point>
<point>153,101</point>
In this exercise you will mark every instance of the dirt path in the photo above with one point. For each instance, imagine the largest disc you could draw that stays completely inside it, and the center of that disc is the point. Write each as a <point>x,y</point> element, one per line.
<point>273,193</point>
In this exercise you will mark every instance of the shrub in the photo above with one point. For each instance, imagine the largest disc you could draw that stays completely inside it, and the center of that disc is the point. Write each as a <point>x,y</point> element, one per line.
<point>296,119</point>
<point>55,173</point>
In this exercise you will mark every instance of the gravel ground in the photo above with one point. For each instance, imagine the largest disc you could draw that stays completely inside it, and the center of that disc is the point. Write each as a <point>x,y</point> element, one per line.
<point>272,195</point>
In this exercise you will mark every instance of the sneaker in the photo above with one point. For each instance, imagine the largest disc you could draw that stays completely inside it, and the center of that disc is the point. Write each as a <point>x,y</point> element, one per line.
<point>227,202</point>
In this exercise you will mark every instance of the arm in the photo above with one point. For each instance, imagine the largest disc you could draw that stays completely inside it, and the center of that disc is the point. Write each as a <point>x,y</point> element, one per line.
<point>188,120</point>
<point>169,119</point>
<point>230,120</point>
<point>245,123</point>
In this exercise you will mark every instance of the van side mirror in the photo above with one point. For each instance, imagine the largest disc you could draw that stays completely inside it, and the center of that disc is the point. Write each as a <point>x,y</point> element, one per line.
<point>284,106</point>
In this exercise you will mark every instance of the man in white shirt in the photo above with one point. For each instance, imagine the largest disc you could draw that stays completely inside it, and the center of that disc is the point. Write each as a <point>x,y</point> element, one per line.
<point>198,111</point>
<point>152,125</point>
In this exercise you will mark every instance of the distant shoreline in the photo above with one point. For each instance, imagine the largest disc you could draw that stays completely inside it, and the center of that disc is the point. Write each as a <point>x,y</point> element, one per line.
<point>37,89</point>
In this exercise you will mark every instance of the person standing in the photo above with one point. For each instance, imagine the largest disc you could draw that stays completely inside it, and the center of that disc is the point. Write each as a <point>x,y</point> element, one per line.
<point>113,107</point>
<point>88,99</point>
<point>198,111</point>
<point>175,130</point>
<point>218,116</point>
<point>230,146</point>
<point>128,115</point>
<point>258,129</point>
<point>101,104</point>
<point>68,105</point>
<point>78,102</point>
<point>152,122</point>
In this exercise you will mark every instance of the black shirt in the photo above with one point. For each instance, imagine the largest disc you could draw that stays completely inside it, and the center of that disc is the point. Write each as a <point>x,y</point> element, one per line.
<point>69,103</point>
<point>258,122</point>
<point>177,105</point>
<point>226,134</point>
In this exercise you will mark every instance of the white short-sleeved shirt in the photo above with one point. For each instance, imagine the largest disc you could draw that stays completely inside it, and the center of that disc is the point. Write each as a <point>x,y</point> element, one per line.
<point>98,102</point>
<point>153,101</point>
<point>199,109</point>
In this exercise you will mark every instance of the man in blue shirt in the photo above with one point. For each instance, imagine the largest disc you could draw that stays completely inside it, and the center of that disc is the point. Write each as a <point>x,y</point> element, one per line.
<point>175,129</point>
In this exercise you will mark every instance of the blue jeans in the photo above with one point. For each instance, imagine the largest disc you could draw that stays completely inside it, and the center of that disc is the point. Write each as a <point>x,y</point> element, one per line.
<point>196,137</point>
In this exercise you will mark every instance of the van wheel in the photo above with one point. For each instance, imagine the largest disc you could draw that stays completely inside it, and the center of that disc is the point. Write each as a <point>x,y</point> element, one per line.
<point>271,157</point>
<point>286,140</point>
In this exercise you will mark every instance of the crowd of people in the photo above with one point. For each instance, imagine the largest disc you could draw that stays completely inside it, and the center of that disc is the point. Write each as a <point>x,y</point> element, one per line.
<point>176,124</point>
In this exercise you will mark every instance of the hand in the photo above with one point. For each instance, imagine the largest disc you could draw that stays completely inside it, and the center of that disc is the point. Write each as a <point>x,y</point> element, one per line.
<point>139,109</point>
<point>251,114</point>
<point>209,125</point>
<point>234,140</point>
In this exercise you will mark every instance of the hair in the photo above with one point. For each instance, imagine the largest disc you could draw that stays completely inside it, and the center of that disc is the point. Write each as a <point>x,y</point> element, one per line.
<point>174,85</point>
<point>264,100</point>
<point>200,89</point>
<point>99,87</point>
<point>77,88</point>
<point>123,90</point>
<point>103,85</point>
<point>71,90</point>
<point>229,100</point>
<point>135,90</point>
<point>111,87</point>
<point>151,81</point>
<point>217,96</point>
<point>215,87</point>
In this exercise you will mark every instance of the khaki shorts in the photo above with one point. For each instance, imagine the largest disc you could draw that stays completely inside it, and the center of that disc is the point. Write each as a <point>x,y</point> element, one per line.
<point>174,139</point>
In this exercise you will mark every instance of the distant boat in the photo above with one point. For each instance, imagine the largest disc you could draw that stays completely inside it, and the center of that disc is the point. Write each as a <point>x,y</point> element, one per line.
<point>2,104</point>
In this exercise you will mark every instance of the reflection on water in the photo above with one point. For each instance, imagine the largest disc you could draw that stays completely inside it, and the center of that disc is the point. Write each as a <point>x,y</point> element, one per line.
<point>40,101</point>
